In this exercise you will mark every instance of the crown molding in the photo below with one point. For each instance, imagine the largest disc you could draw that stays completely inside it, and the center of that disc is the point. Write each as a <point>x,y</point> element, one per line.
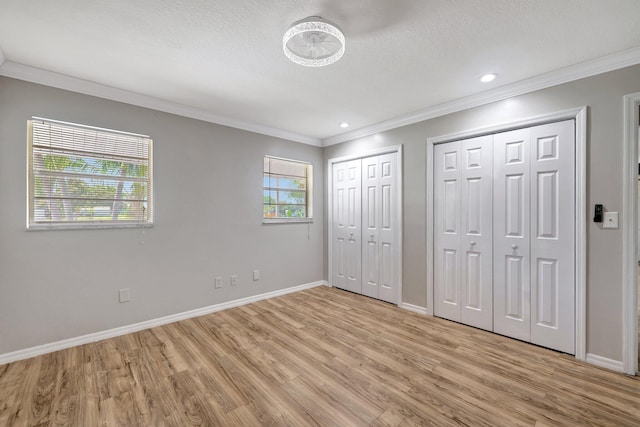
<point>49,78</point>
<point>564,75</point>
<point>593,67</point>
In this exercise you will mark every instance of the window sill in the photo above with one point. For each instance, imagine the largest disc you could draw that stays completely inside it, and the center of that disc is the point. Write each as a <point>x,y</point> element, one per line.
<point>287,220</point>
<point>89,226</point>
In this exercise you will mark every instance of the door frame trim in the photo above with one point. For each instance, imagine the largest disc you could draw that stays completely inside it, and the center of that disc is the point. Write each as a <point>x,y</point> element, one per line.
<point>580,116</point>
<point>630,231</point>
<point>399,209</point>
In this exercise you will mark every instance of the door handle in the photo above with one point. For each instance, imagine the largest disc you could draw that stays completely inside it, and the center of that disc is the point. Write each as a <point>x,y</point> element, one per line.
<point>371,236</point>
<point>514,247</point>
<point>472,243</point>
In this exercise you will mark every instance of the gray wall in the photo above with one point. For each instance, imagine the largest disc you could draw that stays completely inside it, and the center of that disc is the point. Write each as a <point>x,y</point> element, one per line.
<point>62,284</point>
<point>208,211</point>
<point>603,95</point>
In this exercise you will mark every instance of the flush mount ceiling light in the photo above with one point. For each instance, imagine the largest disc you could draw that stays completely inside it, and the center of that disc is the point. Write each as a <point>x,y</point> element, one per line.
<point>488,78</point>
<point>344,125</point>
<point>313,42</point>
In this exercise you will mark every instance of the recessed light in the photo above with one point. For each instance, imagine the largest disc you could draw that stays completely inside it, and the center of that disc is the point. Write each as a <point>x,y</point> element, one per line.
<point>488,78</point>
<point>344,125</point>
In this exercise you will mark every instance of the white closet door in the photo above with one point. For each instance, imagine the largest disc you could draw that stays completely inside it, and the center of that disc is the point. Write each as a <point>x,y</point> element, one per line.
<point>370,225</point>
<point>389,231</point>
<point>380,228</point>
<point>339,214</point>
<point>511,239</point>
<point>552,156</point>
<point>504,233</point>
<point>447,229</point>
<point>476,238</point>
<point>347,262</point>
<point>463,227</point>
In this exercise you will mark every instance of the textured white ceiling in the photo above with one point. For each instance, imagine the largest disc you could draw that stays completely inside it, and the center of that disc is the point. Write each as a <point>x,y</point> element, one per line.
<point>225,56</point>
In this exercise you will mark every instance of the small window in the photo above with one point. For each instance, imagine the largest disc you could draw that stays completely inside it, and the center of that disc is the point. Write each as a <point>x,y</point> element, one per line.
<point>287,190</point>
<point>86,177</point>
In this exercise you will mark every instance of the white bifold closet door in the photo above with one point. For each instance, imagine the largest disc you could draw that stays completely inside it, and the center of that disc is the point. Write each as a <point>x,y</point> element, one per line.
<point>347,227</point>
<point>463,231</point>
<point>511,240</point>
<point>366,257</point>
<point>380,228</point>
<point>534,235</point>
<point>504,237</point>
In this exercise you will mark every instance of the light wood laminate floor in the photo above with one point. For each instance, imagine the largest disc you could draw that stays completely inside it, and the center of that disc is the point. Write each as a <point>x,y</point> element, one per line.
<point>317,357</point>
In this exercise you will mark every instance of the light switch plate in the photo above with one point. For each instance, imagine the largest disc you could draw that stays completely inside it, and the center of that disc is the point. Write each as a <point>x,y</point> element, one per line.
<point>610,220</point>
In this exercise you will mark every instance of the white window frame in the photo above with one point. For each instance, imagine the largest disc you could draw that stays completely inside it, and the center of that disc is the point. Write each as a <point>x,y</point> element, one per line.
<point>33,224</point>
<point>308,191</point>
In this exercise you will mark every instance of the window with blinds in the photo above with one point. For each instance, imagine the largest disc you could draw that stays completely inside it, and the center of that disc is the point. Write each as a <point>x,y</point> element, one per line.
<point>286,190</point>
<point>86,177</point>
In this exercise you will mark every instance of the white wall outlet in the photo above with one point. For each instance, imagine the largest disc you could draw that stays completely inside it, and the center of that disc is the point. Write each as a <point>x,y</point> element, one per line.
<point>234,280</point>
<point>256,275</point>
<point>124,295</point>
<point>218,282</point>
<point>610,220</point>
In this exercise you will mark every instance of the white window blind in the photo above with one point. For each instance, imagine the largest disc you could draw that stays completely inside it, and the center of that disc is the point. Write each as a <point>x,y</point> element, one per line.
<point>82,176</point>
<point>286,189</point>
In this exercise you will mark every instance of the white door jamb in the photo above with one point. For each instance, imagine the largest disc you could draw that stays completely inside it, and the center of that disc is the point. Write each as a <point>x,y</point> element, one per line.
<point>629,239</point>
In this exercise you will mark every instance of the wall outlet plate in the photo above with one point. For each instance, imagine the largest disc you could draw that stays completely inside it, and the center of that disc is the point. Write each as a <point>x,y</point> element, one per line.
<point>218,282</point>
<point>234,280</point>
<point>124,295</point>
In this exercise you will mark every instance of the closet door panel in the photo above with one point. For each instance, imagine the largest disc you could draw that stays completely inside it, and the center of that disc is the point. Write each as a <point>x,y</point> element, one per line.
<point>511,235</point>
<point>380,229</point>
<point>347,252</point>
<point>370,223</point>
<point>447,230</point>
<point>552,243</point>
<point>340,234</point>
<point>476,238</point>
<point>389,230</point>
<point>354,226</point>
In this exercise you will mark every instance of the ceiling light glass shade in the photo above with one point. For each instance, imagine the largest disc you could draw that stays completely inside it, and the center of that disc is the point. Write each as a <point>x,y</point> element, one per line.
<point>313,42</point>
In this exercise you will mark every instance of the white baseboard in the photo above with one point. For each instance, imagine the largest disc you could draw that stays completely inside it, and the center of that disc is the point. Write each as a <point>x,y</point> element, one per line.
<point>123,330</point>
<point>604,362</point>
<point>415,308</point>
